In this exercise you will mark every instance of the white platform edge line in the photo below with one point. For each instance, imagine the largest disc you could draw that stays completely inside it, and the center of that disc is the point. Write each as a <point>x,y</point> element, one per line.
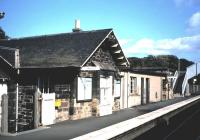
<point>120,128</point>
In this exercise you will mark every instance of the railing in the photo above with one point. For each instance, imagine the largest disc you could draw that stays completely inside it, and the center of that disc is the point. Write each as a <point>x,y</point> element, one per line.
<point>191,71</point>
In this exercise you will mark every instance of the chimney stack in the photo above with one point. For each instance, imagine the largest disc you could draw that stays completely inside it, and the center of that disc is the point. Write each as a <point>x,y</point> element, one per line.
<point>77,26</point>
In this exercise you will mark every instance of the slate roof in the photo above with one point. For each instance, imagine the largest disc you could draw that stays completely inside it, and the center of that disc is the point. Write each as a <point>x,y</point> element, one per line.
<point>59,50</point>
<point>3,75</point>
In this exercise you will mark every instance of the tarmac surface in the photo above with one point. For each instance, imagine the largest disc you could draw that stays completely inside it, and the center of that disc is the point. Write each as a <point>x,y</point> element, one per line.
<point>71,129</point>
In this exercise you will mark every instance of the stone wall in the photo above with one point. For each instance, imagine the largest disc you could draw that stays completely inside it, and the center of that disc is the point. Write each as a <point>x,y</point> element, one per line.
<point>116,105</point>
<point>95,107</point>
<point>81,110</point>
<point>62,112</point>
<point>26,108</point>
<point>63,93</point>
<point>102,55</point>
<point>12,91</point>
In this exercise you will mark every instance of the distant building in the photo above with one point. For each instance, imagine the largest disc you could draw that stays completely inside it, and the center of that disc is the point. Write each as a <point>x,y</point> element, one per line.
<point>142,87</point>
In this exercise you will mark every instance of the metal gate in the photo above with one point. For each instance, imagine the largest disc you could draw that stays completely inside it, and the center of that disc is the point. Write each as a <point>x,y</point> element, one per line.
<point>48,109</point>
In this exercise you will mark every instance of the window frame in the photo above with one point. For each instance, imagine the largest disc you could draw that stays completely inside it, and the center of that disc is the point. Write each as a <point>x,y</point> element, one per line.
<point>82,90</point>
<point>116,87</point>
<point>133,85</point>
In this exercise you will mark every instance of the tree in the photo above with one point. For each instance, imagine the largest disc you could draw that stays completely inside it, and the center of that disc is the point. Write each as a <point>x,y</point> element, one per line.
<point>2,15</point>
<point>2,33</point>
<point>162,61</point>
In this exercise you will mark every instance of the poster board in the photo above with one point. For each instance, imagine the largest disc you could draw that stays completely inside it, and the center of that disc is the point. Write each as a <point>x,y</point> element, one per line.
<point>84,88</point>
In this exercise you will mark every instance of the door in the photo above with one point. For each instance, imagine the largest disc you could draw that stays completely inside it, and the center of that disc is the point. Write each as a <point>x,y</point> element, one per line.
<point>147,90</point>
<point>106,98</point>
<point>143,95</point>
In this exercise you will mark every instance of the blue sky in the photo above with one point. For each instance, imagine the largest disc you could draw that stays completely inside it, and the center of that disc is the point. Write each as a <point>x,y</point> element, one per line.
<point>143,27</point>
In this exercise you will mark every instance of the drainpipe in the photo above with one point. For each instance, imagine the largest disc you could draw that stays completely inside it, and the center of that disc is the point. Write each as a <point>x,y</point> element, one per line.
<point>16,128</point>
<point>127,87</point>
<point>161,96</point>
<point>123,90</point>
<point>17,100</point>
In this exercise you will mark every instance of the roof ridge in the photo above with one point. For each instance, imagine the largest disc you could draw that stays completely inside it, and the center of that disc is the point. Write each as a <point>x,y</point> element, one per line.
<point>56,34</point>
<point>7,48</point>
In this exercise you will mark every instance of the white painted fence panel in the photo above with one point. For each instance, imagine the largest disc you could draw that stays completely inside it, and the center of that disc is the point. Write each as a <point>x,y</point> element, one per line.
<point>48,108</point>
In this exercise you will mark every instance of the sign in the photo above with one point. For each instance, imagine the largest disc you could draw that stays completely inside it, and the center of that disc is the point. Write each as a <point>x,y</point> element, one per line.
<point>58,103</point>
<point>90,68</point>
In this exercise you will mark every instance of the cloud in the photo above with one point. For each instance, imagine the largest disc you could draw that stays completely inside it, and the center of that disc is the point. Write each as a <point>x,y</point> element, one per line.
<point>194,23</point>
<point>187,3</point>
<point>177,46</point>
<point>124,42</point>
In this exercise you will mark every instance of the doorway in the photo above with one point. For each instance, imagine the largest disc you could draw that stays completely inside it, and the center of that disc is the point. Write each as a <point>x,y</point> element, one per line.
<point>105,107</point>
<point>147,90</point>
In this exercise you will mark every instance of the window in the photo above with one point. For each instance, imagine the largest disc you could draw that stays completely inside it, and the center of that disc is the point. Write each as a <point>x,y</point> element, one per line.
<point>164,84</point>
<point>133,85</point>
<point>62,91</point>
<point>117,88</point>
<point>84,88</point>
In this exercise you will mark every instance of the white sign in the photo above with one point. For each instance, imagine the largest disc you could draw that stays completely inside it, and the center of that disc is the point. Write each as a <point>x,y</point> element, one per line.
<point>90,68</point>
<point>84,88</point>
<point>48,108</point>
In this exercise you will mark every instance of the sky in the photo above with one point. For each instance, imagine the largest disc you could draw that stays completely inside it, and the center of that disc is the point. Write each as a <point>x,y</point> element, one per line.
<point>143,27</point>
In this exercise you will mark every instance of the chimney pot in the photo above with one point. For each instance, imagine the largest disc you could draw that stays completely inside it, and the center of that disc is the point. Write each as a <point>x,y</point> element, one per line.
<point>77,26</point>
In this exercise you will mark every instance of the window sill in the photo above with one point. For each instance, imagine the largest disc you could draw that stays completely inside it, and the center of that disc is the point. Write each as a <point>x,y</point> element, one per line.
<point>117,97</point>
<point>81,101</point>
<point>134,94</point>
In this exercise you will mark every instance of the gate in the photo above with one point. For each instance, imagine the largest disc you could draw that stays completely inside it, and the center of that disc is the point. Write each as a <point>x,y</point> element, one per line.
<point>48,109</point>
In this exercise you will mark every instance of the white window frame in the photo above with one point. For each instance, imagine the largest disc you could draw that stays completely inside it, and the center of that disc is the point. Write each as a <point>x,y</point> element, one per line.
<point>84,89</point>
<point>117,88</point>
<point>133,85</point>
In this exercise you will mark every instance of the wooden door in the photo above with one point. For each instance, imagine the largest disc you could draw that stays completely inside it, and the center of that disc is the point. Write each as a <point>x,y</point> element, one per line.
<point>106,100</point>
